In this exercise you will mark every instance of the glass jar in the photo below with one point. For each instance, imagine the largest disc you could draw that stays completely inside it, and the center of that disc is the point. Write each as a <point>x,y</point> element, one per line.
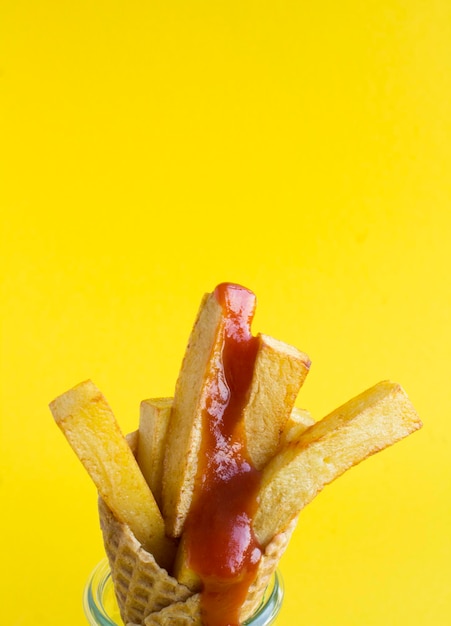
<point>100,606</point>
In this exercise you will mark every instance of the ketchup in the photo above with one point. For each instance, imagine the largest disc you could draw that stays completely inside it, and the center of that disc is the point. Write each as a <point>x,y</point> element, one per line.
<point>221,545</point>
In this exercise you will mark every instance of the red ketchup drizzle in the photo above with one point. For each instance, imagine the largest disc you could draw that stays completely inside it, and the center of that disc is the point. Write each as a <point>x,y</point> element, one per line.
<point>221,545</point>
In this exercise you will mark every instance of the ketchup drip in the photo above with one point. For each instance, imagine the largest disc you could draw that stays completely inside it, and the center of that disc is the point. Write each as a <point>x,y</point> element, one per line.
<point>221,545</point>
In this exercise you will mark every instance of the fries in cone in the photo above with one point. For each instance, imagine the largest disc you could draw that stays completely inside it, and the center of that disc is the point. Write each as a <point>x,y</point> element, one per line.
<point>198,505</point>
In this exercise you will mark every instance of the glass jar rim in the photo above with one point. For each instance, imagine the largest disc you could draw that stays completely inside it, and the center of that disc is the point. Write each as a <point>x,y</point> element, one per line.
<point>99,587</point>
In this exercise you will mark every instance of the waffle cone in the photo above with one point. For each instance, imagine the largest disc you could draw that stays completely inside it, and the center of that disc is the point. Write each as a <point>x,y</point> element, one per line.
<point>148,596</point>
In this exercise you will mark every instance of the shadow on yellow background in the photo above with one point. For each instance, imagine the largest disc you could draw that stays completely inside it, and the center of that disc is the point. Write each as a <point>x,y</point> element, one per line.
<point>151,150</point>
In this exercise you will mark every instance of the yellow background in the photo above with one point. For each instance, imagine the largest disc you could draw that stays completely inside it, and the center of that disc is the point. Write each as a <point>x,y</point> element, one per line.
<point>150,150</point>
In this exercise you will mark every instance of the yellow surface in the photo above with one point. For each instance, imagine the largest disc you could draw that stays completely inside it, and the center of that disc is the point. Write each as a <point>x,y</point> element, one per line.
<point>150,150</point>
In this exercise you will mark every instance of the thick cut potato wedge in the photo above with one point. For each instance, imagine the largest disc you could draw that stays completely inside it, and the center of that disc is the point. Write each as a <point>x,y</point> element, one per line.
<point>366,424</point>
<point>279,372</point>
<point>91,429</point>
<point>182,571</point>
<point>185,427</point>
<point>153,427</point>
<point>297,424</point>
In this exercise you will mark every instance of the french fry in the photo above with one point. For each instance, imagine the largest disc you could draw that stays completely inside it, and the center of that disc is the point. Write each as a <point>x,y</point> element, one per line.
<point>153,426</point>
<point>368,423</point>
<point>182,570</point>
<point>185,427</point>
<point>297,423</point>
<point>91,429</point>
<point>279,372</point>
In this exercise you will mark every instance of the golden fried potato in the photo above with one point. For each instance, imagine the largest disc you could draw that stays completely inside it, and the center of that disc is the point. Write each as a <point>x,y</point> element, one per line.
<point>297,423</point>
<point>182,571</point>
<point>366,424</point>
<point>153,427</point>
<point>91,429</point>
<point>279,372</point>
<point>185,427</point>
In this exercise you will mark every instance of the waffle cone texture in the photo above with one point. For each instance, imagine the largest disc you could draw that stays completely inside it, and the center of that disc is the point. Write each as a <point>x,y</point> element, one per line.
<point>148,596</point>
